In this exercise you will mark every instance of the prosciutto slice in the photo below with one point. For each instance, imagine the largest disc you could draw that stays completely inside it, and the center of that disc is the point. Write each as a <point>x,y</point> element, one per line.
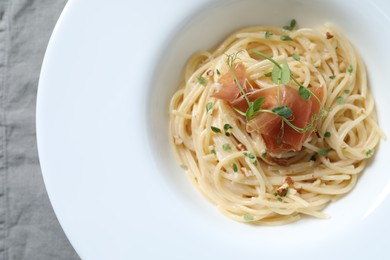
<point>278,139</point>
<point>229,90</point>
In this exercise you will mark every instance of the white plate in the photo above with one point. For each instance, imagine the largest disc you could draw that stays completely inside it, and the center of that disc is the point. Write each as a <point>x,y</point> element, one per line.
<point>108,73</point>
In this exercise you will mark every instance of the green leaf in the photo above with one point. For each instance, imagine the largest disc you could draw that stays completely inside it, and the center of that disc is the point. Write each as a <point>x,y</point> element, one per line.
<point>268,74</point>
<point>252,158</point>
<point>327,134</point>
<point>227,127</point>
<point>296,57</point>
<point>213,152</point>
<point>202,80</point>
<point>249,112</point>
<point>291,26</point>
<point>283,111</point>
<point>276,75</point>
<point>369,152</point>
<point>286,73</point>
<point>215,129</point>
<point>340,100</point>
<point>235,168</point>
<point>248,217</point>
<point>285,38</point>
<point>226,147</point>
<point>324,151</point>
<point>332,77</point>
<point>346,91</point>
<point>268,35</point>
<point>264,155</point>
<point>257,104</point>
<point>304,92</point>
<point>253,108</point>
<point>209,106</point>
<point>350,69</point>
<point>218,73</point>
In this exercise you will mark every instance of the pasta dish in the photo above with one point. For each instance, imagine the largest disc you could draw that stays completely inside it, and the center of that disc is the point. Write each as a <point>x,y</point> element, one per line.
<point>275,123</point>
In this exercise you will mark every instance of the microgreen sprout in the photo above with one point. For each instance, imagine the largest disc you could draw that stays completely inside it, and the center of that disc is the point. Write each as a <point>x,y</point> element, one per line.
<point>291,26</point>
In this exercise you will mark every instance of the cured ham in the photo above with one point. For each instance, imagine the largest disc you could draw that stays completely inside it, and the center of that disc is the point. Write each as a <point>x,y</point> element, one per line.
<point>229,90</point>
<point>279,137</point>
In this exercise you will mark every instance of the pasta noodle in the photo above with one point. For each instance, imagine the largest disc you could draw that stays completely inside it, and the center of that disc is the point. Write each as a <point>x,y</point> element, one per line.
<point>233,167</point>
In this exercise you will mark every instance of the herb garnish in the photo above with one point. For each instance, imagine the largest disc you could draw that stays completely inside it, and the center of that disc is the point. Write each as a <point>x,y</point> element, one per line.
<point>268,35</point>
<point>213,152</point>
<point>252,158</point>
<point>282,111</point>
<point>346,91</point>
<point>369,152</point>
<point>218,73</point>
<point>202,80</point>
<point>350,69</point>
<point>296,57</point>
<point>248,217</point>
<point>253,108</point>
<point>324,151</point>
<point>268,74</point>
<point>292,25</point>
<point>285,38</point>
<point>235,168</point>
<point>215,129</point>
<point>332,77</point>
<point>304,93</point>
<point>280,74</point>
<point>227,127</point>
<point>226,147</point>
<point>209,106</point>
<point>264,155</point>
<point>327,134</point>
<point>340,100</point>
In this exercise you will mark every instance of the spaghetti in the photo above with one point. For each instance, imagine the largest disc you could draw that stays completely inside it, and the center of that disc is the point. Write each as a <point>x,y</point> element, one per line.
<point>250,175</point>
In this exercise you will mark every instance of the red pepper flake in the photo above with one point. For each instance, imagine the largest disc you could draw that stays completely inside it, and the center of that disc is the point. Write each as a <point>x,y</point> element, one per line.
<point>282,191</point>
<point>241,147</point>
<point>329,35</point>
<point>289,181</point>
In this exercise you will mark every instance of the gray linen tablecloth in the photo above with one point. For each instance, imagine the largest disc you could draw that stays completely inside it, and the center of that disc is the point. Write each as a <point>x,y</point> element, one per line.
<point>28,227</point>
